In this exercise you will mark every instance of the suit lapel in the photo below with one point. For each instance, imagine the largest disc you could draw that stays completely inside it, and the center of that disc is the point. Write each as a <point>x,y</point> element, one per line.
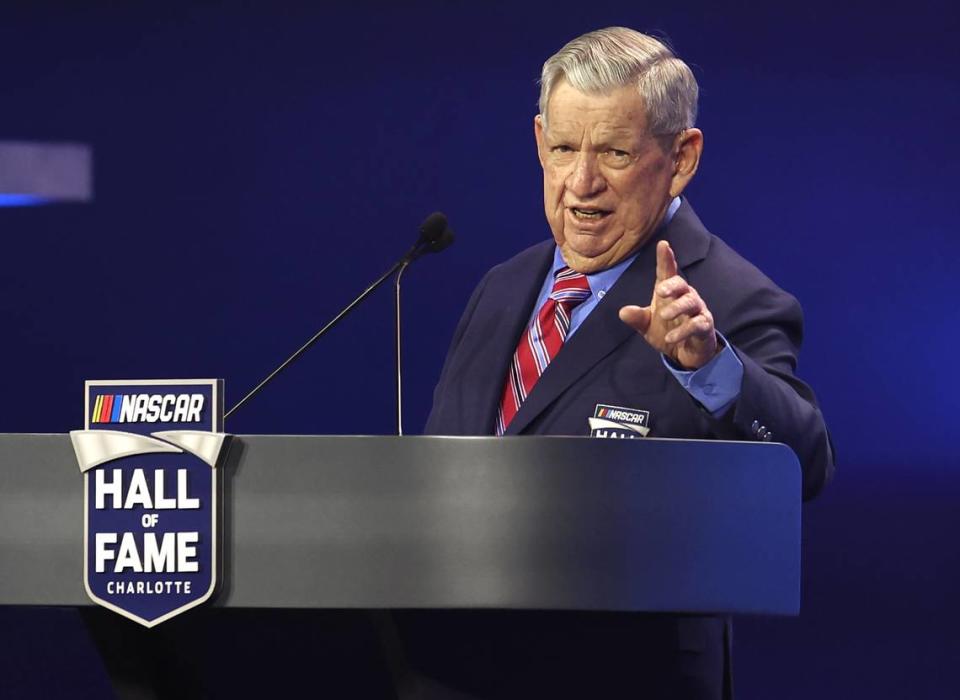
<point>603,331</point>
<point>513,300</point>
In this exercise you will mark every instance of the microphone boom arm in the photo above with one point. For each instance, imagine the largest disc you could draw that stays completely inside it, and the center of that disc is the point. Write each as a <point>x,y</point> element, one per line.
<point>403,262</point>
<point>435,236</point>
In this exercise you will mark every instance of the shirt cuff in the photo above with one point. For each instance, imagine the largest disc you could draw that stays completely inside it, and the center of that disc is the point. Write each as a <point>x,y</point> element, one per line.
<point>717,384</point>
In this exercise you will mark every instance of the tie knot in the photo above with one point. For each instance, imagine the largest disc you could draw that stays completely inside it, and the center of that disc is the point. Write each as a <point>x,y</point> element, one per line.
<point>570,287</point>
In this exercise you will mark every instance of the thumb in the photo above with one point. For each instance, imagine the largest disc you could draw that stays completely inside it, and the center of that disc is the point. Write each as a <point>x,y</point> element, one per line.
<point>637,317</point>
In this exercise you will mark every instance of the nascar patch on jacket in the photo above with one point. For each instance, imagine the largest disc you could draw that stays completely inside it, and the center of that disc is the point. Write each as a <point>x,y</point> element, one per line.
<point>618,422</point>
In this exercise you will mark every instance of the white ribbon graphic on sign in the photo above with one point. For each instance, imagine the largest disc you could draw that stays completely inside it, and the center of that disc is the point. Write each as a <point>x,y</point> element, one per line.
<point>95,447</point>
<point>204,445</point>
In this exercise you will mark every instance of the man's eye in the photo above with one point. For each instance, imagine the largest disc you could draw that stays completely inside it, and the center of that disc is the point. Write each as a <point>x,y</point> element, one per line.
<point>616,157</point>
<point>562,149</point>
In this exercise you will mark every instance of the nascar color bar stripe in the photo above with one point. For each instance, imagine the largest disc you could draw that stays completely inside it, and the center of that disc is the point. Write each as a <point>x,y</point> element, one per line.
<point>106,409</point>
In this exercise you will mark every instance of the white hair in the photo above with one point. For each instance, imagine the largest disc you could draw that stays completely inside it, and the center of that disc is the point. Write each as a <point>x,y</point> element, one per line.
<point>607,59</point>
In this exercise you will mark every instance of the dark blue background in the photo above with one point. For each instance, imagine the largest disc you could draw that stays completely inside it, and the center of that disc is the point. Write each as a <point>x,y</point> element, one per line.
<point>258,164</point>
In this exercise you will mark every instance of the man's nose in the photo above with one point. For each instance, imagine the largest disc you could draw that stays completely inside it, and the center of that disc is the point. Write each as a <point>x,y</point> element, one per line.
<point>586,179</point>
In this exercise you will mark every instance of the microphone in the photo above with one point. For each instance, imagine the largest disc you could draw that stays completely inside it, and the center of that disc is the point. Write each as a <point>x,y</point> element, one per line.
<point>435,236</point>
<point>442,242</point>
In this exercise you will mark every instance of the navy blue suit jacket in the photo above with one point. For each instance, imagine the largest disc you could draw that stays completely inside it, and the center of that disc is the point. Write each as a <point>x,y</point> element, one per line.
<point>606,362</point>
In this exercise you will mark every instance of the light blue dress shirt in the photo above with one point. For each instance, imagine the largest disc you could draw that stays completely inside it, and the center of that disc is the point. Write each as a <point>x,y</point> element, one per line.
<point>716,385</point>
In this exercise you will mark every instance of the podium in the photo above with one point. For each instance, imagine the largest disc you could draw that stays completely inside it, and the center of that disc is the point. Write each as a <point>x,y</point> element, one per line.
<point>546,523</point>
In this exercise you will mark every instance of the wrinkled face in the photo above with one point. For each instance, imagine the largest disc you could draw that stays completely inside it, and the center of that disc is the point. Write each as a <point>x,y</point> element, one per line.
<point>606,181</point>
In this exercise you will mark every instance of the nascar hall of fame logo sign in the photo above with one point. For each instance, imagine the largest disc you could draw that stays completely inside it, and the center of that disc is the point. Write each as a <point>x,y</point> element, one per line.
<point>148,454</point>
<point>619,422</point>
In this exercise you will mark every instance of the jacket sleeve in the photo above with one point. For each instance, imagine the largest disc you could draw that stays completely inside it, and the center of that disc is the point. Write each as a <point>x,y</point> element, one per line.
<point>765,329</point>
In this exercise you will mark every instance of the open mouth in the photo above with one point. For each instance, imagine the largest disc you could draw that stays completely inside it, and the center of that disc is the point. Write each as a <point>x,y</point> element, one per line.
<point>588,213</point>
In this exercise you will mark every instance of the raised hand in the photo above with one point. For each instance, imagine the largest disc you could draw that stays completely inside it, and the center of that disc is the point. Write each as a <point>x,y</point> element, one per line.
<point>677,322</point>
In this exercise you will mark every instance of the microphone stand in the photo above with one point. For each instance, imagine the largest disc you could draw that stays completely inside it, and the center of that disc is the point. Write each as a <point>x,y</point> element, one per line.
<point>396,288</point>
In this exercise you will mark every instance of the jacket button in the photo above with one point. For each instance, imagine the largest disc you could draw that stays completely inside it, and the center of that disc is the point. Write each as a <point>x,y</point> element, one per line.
<point>755,426</point>
<point>768,437</point>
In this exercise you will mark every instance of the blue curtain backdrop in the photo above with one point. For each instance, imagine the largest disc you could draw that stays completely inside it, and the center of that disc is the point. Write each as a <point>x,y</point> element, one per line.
<point>256,164</point>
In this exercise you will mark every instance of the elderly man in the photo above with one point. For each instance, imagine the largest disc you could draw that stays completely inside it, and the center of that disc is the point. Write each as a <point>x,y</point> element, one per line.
<point>633,305</point>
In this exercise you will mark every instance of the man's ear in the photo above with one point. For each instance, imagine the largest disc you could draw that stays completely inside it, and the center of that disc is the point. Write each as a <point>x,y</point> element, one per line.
<point>538,135</point>
<point>687,149</point>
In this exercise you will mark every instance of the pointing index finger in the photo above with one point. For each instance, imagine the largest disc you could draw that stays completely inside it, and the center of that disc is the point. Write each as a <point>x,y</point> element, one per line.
<point>666,262</point>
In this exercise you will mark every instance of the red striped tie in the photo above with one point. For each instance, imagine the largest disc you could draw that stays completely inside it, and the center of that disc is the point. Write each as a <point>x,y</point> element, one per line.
<point>541,342</point>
